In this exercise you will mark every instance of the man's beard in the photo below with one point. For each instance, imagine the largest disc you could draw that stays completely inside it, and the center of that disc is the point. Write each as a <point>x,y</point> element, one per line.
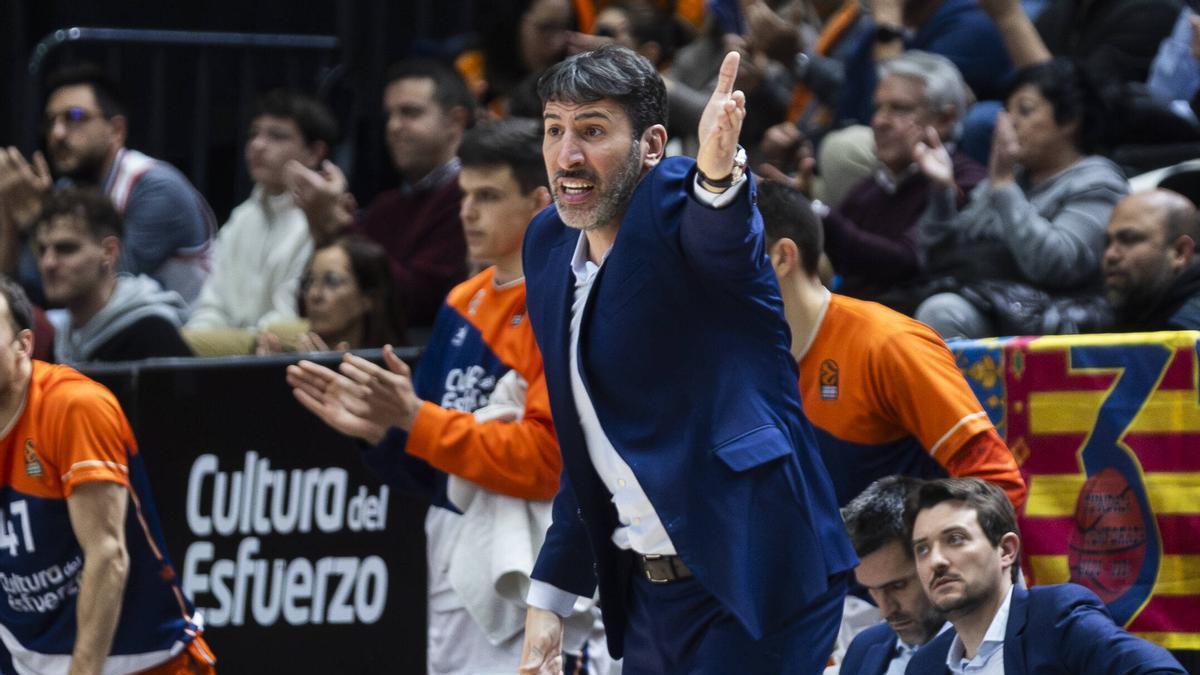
<point>613,202</point>
<point>929,622</point>
<point>1138,298</point>
<point>86,170</point>
<point>970,600</point>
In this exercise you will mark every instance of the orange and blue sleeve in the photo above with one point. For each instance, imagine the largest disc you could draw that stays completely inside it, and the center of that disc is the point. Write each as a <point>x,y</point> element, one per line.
<point>94,438</point>
<point>927,395</point>
<point>518,458</point>
<point>987,457</point>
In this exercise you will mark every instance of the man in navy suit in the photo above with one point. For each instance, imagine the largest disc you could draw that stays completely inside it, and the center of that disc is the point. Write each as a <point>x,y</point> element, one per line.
<point>875,521</point>
<point>966,542</point>
<point>692,491</point>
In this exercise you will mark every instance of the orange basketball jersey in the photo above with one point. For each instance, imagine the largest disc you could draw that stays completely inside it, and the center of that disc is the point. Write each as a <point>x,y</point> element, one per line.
<point>885,396</point>
<point>71,431</point>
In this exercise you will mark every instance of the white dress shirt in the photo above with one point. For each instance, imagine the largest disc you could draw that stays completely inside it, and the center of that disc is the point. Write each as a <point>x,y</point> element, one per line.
<point>989,658</point>
<point>640,528</point>
<point>902,653</point>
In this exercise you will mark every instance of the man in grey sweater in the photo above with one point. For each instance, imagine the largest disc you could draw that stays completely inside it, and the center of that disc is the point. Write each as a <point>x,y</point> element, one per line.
<point>77,242</point>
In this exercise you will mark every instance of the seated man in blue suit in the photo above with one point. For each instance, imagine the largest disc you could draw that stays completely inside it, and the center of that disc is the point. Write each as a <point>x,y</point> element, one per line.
<point>875,521</point>
<point>692,494</point>
<point>966,542</point>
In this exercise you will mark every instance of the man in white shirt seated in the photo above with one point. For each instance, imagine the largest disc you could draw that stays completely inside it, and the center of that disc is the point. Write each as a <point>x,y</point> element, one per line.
<point>875,522</point>
<point>966,544</point>
<point>263,248</point>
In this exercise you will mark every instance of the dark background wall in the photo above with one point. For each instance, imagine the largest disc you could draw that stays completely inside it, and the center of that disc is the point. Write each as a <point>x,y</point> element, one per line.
<point>190,105</point>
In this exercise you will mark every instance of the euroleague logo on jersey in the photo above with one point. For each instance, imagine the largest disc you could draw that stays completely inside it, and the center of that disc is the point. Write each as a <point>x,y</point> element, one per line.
<point>828,379</point>
<point>33,466</point>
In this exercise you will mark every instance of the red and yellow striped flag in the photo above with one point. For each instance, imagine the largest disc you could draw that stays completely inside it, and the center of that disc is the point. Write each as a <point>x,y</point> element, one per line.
<point>1107,431</point>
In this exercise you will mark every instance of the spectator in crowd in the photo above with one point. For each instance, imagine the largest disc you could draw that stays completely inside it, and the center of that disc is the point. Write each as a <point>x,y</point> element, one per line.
<point>1151,272</point>
<point>966,542</point>
<point>422,432</point>
<point>820,69</point>
<point>882,391</point>
<point>1114,39</point>
<point>74,473</point>
<point>168,225</point>
<point>871,236</point>
<point>1023,256</point>
<point>690,79</point>
<point>108,316</point>
<point>875,521</point>
<point>660,491</point>
<point>1175,72</point>
<point>1112,42</point>
<point>428,107</point>
<point>261,252</point>
<point>495,71</point>
<point>956,29</point>
<point>346,299</point>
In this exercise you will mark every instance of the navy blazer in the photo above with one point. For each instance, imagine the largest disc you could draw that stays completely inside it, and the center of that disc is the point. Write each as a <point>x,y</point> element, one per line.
<point>1059,629</point>
<point>683,349</point>
<point>870,652</point>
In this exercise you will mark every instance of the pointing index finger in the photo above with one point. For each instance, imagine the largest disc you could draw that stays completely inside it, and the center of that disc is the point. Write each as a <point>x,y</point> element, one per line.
<point>728,73</point>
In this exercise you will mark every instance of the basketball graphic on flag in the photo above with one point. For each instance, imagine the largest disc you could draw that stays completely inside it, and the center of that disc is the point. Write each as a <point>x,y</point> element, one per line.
<point>1107,545</point>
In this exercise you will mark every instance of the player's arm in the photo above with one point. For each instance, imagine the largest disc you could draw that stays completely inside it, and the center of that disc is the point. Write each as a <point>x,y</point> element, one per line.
<point>922,389</point>
<point>720,232</point>
<point>519,458</point>
<point>987,457</point>
<point>97,513</point>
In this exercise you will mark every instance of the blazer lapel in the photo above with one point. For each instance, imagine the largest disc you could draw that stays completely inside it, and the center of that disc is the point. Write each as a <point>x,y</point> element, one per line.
<point>560,293</point>
<point>876,660</point>
<point>1014,633</point>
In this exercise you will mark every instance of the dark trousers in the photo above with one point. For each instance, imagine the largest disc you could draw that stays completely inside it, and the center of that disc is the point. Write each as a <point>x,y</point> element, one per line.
<point>680,628</point>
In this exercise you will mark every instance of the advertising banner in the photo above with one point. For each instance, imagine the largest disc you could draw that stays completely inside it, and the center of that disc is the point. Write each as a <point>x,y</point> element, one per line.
<point>298,559</point>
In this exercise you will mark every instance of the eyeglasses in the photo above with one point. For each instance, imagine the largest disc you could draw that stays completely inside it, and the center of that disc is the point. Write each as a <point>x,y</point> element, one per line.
<point>898,110</point>
<point>71,118</point>
<point>330,281</point>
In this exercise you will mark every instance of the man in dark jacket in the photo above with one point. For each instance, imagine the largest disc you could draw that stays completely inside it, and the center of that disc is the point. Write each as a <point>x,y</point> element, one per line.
<point>875,522</point>
<point>1151,275</point>
<point>966,542</point>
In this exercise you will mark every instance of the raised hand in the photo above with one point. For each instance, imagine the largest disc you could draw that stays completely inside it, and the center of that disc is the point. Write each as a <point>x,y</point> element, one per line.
<point>934,160</point>
<point>785,148</point>
<point>334,398</point>
<point>386,394</point>
<point>721,122</point>
<point>1002,163</point>
<point>22,185</point>
<point>312,342</point>
<point>323,197</point>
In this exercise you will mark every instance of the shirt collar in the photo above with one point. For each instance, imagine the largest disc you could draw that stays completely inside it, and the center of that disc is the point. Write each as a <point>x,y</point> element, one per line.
<point>581,264</point>
<point>903,647</point>
<point>273,204</point>
<point>993,640</point>
<point>434,179</point>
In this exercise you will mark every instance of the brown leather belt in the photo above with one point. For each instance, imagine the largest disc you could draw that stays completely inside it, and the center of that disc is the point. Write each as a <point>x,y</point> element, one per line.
<point>663,569</point>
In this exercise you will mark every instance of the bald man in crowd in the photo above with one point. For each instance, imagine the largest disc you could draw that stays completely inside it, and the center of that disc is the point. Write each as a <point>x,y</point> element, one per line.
<point>1151,275</point>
